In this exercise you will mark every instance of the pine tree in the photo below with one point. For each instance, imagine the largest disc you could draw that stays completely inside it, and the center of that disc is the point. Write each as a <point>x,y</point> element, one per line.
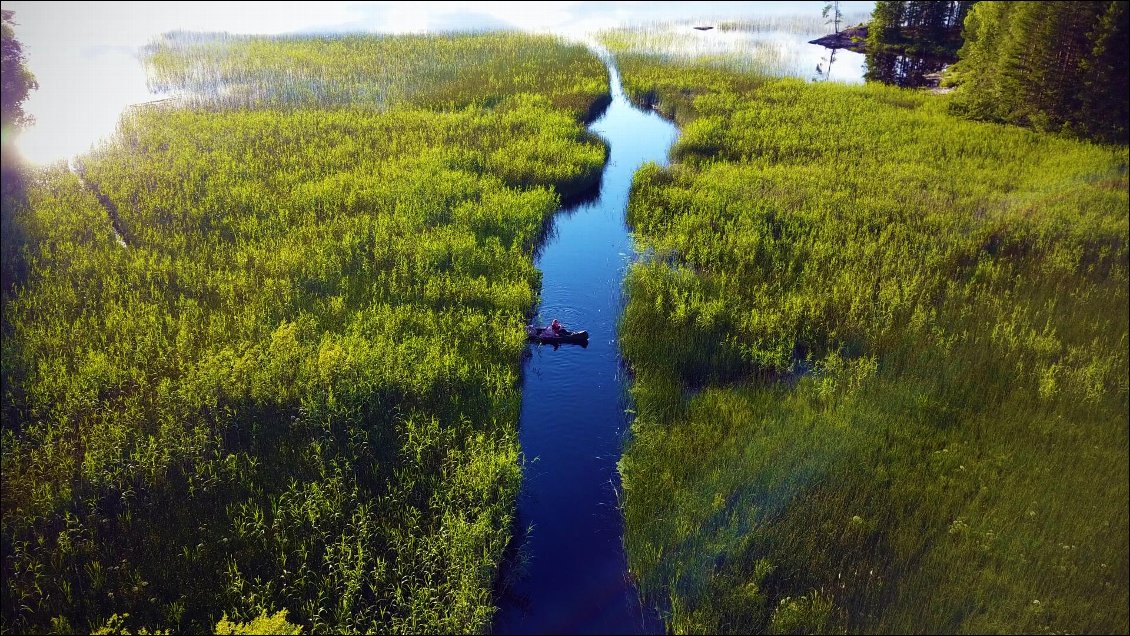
<point>1105,100</point>
<point>978,67</point>
<point>1057,66</point>
<point>885,23</point>
<point>832,14</point>
<point>932,25</point>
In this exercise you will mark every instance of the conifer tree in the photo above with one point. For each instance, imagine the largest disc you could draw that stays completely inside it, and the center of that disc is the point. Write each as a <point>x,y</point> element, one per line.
<point>1057,66</point>
<point>1104,103</point>
<point>930,24</point>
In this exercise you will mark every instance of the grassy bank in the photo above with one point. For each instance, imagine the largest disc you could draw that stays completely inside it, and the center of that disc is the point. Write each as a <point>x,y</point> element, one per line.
<point>880,362</point>
<point>296,388</point>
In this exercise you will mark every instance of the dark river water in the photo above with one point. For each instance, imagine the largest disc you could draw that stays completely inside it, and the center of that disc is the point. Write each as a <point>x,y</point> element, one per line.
<point>572,576</point>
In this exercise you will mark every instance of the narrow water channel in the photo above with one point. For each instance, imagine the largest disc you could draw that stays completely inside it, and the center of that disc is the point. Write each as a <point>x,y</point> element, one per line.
<point>573,572</point>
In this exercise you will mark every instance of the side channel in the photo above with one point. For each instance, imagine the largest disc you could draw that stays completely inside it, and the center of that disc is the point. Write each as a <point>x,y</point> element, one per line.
<point>571,573</point>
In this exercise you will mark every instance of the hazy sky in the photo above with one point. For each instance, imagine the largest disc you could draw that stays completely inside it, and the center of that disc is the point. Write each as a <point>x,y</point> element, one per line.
<point>84,54</point>
<point>134,23</point>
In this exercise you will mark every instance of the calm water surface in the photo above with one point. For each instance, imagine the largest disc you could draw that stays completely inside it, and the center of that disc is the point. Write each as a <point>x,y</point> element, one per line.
<point>573,421</point>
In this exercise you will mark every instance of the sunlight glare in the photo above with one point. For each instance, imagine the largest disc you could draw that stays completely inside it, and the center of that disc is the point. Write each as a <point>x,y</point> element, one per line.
<point>85,55</point>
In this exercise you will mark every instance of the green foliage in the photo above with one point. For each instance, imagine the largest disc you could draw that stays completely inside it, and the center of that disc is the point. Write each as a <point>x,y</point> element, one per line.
<point>924,26</point>
<point>264,624</point>
<point>750,53</point>
<point>808,614</point>
<point>1055,66</point>
<point>296,388</point>
<point>17,80</point>
<point>883,350</point>
<point>672,87</point>
<point>115,625</point>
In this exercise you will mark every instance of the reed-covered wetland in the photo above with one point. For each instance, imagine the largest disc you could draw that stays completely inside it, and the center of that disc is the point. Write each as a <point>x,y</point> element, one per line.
<point>880,362</point>
<point>878,354</point>
<point>296,388</point>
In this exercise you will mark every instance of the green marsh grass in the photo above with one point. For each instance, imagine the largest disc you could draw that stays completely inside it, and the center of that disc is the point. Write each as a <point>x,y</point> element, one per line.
<point>296,390</point>
<point>729,49</point>
<point>360,72</point>
<point>807,24</point>
<point>881,365</point>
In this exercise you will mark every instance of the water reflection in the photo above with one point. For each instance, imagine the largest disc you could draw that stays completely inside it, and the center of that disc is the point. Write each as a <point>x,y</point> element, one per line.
<point>774,45</point>
<point>824,68</point>
<point>901,69</point>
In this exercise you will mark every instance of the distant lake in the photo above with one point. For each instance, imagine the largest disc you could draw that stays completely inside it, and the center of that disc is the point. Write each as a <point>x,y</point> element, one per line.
<point>85,55</point>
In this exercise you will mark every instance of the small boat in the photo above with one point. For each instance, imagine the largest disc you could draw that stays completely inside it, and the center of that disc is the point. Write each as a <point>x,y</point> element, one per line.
<point>703,28</point>
<point>544,335</point>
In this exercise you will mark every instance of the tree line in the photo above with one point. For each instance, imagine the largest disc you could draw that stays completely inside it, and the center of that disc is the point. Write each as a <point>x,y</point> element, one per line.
<point>1056,66</point>
<point>929,25</point>
<point>1053,66</point>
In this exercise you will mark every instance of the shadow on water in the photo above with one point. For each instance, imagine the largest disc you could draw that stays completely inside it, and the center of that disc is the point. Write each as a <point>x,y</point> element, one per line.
<point>898,68</point>
<point>824,68</point>
<point>569,205</point>
<point>567,570</point>
<point>905,69</point>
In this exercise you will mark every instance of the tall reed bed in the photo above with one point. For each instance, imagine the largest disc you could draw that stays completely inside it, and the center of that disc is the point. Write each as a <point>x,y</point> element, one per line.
<point>806,24</point>
<point>773,45</point>
<point>880,362</point>
<point>774,53</point>
<point>359,71</point>
<point>296,390</point>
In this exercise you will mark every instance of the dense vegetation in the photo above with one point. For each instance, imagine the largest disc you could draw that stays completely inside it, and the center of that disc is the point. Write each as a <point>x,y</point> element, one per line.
<point>881,365</point>
<point>295,389</point>
<point>909,43</point>
<point>922,26</point>
<point>16,80</point>
<point>436,71</point>
<point>1058,66</point>
<point>17,83</point>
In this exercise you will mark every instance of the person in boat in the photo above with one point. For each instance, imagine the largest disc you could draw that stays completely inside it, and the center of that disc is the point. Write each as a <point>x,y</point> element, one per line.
<point>556,329</point>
